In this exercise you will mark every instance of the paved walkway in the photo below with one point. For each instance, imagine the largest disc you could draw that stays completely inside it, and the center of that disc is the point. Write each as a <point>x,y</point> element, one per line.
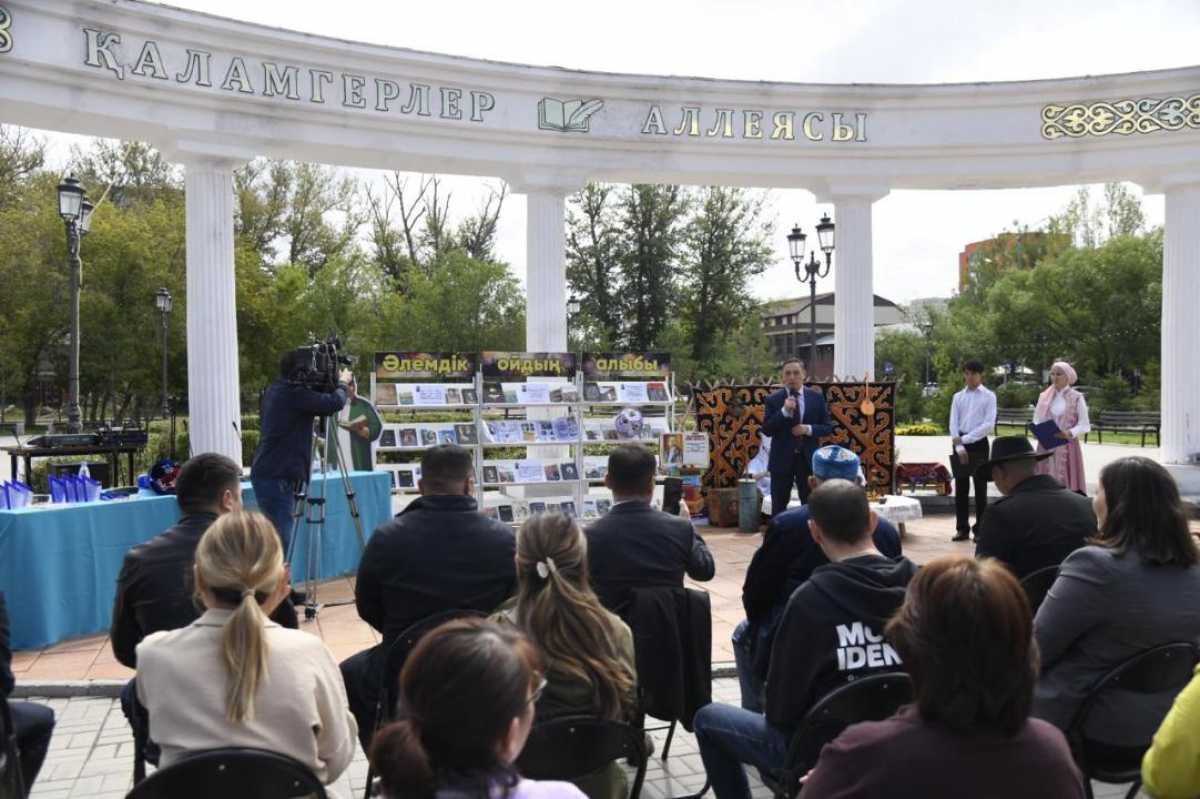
<point>91,757</point>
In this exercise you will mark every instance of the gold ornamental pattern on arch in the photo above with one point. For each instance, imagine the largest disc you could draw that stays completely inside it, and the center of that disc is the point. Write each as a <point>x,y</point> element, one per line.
<point>1123,117</point>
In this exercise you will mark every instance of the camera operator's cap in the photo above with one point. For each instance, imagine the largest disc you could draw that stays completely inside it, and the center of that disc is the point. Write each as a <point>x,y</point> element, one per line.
<point>836,463</point>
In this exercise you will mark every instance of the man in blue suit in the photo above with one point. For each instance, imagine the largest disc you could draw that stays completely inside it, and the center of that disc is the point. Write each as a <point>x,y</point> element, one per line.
<point>796,417</point>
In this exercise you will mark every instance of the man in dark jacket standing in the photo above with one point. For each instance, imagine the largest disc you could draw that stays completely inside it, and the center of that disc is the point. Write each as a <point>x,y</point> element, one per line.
<point>439,554</point>
<point>636,546</point>
<point>1038,522</point>
<point>795,418</point>
<point>283,461</point>
<point>154,588</point>
<point>787,558</point>
<point>831,633</point>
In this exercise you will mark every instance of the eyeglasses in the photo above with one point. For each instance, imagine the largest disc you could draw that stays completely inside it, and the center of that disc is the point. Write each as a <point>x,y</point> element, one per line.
<point>537,692</point>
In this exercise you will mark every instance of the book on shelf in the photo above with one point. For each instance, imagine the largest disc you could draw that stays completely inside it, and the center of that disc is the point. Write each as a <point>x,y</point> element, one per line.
<point>632,392</point>
<point>466,433</point>
<point>453,396</point>
<point>552,471</point>
<point>591,392</point>
<point>429,394</point>
<point>387,438</point>
<point>429,438</point>
<point>405,398</point>
<point>510,397</point>
<point>533,393</point>
<point>589,507</point>
<point>385,393</point>
<point>491,474</point>
<point>530,472</point>
<point>537,507</point>
<point>493,393</point>
<point>595,471</point>
<point>570,393</point>
<point>566,428</point>
<point>556,394</point>
<point>569,472</point>
<point>657,392</point>
<point>529,431</point>
<point>408,437</point>
<point>545,430</point>
<point>447,437</point>
<point>404,478</point>
<point>505,512</point>
<point>608,393</point>
<point>568,508</point>
<point>470,396</point>
<point>603,506</point>
<point>507,474</point>
<point>491,512</point>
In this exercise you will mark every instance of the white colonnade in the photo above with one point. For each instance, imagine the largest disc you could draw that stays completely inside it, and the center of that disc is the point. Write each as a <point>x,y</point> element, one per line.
<point>1180,328</point>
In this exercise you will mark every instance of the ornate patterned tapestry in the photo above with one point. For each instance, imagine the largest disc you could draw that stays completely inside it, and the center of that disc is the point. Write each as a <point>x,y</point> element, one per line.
<point>732,416</point>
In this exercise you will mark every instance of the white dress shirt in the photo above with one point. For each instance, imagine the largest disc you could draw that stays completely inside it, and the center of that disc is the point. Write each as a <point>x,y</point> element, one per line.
<point>972,414</point>
<point>1058,406</point>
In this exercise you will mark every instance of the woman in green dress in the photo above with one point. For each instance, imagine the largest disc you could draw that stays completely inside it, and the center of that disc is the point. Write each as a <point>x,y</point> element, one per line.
<point>359,425</point>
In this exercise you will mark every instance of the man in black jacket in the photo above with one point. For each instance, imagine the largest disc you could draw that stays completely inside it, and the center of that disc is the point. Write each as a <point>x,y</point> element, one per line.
<point>33,723</point>
<point>283,460</point>
<point>787,558</point>
<point>795,418</point>
<point>154,588</point>
<point>636,546</point>
<point>439,554</point>
<point>1038,522</point>
<point>831,633</point>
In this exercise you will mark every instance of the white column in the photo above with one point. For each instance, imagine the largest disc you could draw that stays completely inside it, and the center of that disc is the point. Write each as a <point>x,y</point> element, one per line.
<point>546,270</point>
<point>1180,299</point>
<point>853,286</point>
<point>214,409</point>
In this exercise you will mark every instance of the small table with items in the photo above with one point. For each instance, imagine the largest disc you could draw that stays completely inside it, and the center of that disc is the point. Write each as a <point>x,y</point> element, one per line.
<point>113,451</point>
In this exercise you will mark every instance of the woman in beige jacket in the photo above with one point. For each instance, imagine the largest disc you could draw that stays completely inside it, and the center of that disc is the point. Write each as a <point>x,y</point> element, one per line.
<point>235,678</point>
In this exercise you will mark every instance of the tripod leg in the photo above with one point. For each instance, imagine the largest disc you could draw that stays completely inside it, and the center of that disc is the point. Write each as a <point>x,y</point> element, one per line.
<point>351,496</point>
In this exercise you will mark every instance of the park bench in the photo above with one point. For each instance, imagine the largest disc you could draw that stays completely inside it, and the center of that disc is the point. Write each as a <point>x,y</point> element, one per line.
<point>1015,417</point>
<point>1143,422</point>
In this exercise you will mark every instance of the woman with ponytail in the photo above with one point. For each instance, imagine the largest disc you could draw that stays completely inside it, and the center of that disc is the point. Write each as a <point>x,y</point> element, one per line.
<point>467,694</point>
<point>588,651</point>
<point>235,678</point>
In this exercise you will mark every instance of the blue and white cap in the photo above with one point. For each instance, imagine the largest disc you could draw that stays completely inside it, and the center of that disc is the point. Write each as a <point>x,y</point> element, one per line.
<point>836,463</point>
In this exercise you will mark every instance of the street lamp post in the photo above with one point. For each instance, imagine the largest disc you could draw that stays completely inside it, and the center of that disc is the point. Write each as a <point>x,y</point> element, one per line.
<point>163,301</point>
<point>572,309</point>
<point>76,213</point>
<point>810,272</point>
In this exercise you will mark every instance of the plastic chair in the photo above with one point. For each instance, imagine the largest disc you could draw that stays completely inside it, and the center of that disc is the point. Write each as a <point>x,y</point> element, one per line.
<point>398,651</point>
<point>873,698</point>
<point>570,747</point>
<point>231,772</point>
<point>1037,585</point>
<point>1163,669</point>
<point>12,782</point>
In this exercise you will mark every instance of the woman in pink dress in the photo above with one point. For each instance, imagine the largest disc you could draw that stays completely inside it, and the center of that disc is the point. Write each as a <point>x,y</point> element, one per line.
<point>1067,407</point>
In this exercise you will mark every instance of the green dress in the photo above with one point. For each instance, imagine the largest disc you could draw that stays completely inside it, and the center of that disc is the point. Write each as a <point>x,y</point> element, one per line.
<point>362,459</point>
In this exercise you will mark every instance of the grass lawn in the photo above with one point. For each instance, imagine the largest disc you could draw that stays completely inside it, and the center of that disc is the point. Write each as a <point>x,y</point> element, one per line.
<point>1134,439</point>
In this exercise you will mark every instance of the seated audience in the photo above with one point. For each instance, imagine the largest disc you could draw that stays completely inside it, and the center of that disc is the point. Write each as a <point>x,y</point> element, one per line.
<point>636,546</point>
<point>235,678</point>
<point>964,634</point>
<point>154,588</point>
<point>782,564</point>
<point>33,724</point>
<point>1171,767</point>
<point>830,634</point>
<point>440,553</point>
<point>1135,588</point>
<point>1038,522</point>
<point>468,689</point>
<point>588,651</point>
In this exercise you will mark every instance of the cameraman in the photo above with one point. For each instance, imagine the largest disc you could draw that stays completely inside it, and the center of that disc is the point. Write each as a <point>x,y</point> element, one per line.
<point>283,461</point>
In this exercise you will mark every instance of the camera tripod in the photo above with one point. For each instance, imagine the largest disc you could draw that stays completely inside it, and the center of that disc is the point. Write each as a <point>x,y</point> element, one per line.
<point>310,510</point>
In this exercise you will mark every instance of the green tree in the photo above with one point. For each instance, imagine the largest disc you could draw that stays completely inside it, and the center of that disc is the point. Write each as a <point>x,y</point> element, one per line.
<point>652,218</point>
<point>905,350</point>
<point>725,245</point>
<point>594,246</point>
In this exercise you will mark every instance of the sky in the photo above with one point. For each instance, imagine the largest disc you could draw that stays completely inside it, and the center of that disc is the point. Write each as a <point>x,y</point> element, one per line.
<point>917,235</point>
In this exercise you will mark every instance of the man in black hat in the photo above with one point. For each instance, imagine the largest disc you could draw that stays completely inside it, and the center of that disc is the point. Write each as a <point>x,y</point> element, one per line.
<point>1038,522</point>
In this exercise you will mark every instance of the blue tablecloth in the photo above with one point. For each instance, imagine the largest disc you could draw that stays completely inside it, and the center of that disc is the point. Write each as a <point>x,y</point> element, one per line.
<point>59,565</point>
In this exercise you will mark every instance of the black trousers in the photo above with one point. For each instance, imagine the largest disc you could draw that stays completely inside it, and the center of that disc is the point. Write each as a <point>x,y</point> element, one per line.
<point>362,672</point>
<point>977,453</point>
<point>33,725</point>
<point>782,482</point>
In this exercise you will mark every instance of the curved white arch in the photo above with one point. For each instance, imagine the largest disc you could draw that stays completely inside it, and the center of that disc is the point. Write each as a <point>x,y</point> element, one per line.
<point>211,91</point>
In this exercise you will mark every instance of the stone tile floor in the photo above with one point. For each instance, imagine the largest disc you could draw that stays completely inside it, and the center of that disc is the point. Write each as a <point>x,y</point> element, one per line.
<point>91,757</point>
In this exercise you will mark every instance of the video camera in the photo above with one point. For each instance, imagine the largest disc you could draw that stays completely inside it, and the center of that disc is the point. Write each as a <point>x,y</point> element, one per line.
<point>318,364</point>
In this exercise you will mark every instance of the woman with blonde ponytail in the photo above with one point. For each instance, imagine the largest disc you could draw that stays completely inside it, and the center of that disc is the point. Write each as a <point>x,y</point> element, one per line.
<point>235,678</point>
<point>588,651</point>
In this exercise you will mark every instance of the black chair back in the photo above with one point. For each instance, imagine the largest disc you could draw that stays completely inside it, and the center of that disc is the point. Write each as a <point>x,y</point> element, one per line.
<point>1161,670</point>
<point>571,747</point>
<point>873,698</point>
<point>12,782</point>
<point>1037,585</point>
<point>400,649</point>
<point>231,772</point>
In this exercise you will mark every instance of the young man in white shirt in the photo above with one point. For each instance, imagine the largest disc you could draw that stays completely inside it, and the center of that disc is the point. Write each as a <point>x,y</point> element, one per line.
<point>972,416</point>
